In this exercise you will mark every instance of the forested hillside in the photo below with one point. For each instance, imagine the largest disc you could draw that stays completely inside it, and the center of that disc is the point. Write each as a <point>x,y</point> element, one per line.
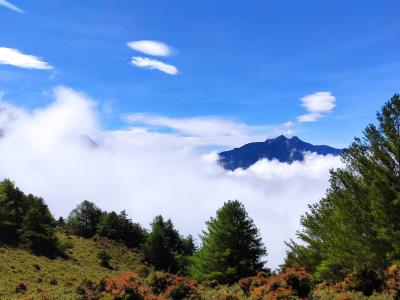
<point>348,247</point>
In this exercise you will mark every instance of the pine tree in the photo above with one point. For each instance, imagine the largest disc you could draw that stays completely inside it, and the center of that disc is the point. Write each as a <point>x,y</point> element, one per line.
<point>38,229</point>
<point>356,227</point>
<point>157,249</point>
<point>110,226</point>
<point>166,249</point>
<point>83,220</point>
<point>26,220</point>
<point>13,207</point>
<point>120,228</point>
<point>231,246</point>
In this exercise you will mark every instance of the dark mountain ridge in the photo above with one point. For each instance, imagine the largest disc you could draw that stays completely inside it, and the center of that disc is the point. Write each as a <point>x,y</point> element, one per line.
<point>281,148</point>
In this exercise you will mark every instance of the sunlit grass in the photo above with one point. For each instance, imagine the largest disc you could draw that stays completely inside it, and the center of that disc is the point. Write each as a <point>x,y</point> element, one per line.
<point>58,278</point>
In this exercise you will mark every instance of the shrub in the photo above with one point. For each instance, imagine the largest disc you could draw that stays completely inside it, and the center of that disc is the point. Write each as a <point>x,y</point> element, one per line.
<point>88,290</point>
<point>104,258</point>
<point>158,281</point>
<point>181,288</point>
<point>293,282</point>
<point>21,287</point>
<point>392,276</point>
<point>181,291</point>
<point>53,281</point>
<point>126,286</point>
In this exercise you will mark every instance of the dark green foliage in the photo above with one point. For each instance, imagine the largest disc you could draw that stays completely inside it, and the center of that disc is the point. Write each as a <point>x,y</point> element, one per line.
<point>60,223</point>
<point>38,228</point>
<point>356,227</point>
<point>165,248</point>
<point>181,291</point>
<point>232,246</point>
<point>104,258</point>
<point>83,220</point>
<point>368,282</point>
<point>120,227</point>
<point>13,208</point>
<point>25,219</point>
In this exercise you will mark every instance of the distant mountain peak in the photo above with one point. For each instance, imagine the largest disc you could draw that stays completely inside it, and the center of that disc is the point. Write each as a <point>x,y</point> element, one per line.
<point>281,148</point>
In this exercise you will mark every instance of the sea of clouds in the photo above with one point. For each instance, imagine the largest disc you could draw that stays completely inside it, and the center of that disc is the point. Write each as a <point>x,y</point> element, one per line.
<point>62,153</point>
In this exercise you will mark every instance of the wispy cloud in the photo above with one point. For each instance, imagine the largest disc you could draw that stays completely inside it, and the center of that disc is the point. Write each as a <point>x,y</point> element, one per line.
<point>11,6</point>
<point>154,64</point>
<point>14,57</point>
<point>208,130</point>
<point>317,104</point>
<point>154,48</point>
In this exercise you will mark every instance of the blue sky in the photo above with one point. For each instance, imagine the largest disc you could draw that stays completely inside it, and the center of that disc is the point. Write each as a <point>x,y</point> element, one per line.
<point>247,61</point>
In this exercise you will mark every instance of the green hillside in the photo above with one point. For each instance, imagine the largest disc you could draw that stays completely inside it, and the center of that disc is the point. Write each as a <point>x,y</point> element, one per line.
<point>50,278</point>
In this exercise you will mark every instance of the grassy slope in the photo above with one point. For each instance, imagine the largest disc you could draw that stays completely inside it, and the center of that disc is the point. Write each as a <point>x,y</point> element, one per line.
<point>58,278</point>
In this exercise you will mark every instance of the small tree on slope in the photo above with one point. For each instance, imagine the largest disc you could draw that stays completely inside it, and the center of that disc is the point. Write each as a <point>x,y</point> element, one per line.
<point>231,247</point>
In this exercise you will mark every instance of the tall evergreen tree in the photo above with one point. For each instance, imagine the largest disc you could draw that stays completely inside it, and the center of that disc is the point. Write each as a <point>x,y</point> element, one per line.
<point>83,220</point>
<point>133,234</point>
<point>165,248</point>
<point>157,251</point>
<point>356,227</point>
<point>119,227</point>
<point>231,246</point>
<point>13,207</point>
<point>38,228</point>
<point>26,220</point>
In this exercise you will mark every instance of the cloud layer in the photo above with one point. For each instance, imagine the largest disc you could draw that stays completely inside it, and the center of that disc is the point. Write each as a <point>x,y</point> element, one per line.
<point>154,64</point>
<point>208,130</point>
<point>154,48</point>
<point>317,104</point>
<point>11,6</point>
<point>14,57</point>
<point>48,152</point>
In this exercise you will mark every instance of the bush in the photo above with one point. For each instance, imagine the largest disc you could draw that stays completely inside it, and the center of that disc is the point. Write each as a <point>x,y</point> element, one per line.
<point>158,281</point>
<point>292,283</point>
<point>104,258</point>
<point>21,287</point>
<point>181,291</point>
<point>88,290</point>
<point>126,286</point>
<point>181,288</point>
<point>392,276</point>
<point>53,281</point>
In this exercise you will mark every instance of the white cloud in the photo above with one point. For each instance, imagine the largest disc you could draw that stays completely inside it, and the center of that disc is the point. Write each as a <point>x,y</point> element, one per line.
<point>14,57</point>
<point>154,48</point>
<point>209,130</point>
<point>317,104</point>
<point>149,173</point>
<point>148,63</point>
<point>11,6</point>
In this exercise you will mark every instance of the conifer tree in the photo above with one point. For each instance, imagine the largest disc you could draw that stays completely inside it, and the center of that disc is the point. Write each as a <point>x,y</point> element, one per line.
<point>165,248</point>
<point>26,220</point>
<point>157,249</point>
<point>13,207</point>
<point>231,246</point>
<point>356,227</point>
<point>83,220</point>
<point>38,229</point>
